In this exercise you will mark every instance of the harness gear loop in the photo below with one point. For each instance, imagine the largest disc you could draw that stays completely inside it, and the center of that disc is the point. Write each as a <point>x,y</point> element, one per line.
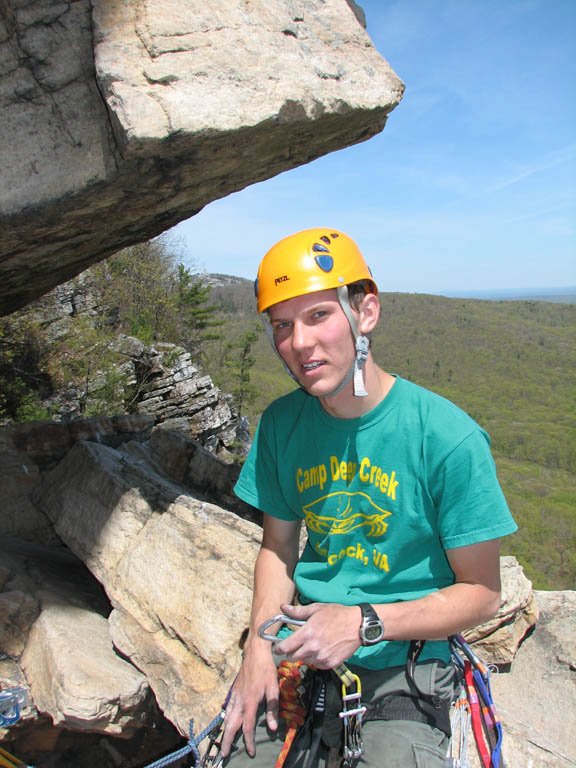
<point>291,707</point>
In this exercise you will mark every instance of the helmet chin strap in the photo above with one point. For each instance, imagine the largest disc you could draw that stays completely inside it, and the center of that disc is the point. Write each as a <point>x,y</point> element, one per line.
<point>362,345</point>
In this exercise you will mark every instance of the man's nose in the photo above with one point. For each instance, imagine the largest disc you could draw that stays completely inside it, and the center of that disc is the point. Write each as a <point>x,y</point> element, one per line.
<point>301,336</point>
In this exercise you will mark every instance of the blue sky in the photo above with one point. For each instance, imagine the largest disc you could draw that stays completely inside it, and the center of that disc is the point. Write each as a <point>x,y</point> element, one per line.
<point>472,184</point>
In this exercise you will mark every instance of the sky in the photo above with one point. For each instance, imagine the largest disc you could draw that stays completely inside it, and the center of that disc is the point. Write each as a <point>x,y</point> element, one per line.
<point>472,184</point>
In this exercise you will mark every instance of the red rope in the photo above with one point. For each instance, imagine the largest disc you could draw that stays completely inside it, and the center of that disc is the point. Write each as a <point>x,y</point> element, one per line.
<point>291,709</point>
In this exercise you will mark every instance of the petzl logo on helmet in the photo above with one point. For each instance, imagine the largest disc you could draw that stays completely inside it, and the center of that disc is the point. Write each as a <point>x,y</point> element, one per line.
<point>282,279</point>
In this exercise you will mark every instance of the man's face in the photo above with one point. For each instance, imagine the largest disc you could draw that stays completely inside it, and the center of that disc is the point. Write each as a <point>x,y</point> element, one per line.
<point>314,339</point>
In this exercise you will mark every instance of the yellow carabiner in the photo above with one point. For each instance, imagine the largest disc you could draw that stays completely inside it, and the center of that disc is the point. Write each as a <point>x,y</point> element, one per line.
<point>348,678</point>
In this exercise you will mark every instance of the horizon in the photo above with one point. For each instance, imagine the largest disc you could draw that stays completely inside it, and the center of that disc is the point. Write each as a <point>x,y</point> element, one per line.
<point>553,294</point>
<point>471,184</point>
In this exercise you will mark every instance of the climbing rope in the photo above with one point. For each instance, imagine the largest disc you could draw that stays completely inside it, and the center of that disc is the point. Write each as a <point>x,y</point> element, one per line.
<point>191,747</point>
<point>290,703</point>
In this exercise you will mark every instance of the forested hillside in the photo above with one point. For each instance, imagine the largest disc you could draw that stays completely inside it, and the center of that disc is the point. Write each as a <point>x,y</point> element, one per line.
<point>510,364</point>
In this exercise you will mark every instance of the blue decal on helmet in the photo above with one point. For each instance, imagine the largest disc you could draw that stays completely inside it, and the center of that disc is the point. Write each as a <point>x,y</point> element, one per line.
<point>325,262</point>
<point>256,288</point>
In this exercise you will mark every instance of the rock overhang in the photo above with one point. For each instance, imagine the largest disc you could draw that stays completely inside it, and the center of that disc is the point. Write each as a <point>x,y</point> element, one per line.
<point>160,112</point>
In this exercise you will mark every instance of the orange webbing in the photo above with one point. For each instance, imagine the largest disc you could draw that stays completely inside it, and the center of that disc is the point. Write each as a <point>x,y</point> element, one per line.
<point>291,708</point>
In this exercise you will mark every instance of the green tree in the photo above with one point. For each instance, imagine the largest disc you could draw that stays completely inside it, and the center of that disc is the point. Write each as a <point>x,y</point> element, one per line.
<point>136,288</point>
<point>239,363</point>
<point>195,315</point>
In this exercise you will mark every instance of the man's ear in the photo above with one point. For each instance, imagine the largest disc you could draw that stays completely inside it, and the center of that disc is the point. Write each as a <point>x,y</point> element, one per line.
<point>369,313</point>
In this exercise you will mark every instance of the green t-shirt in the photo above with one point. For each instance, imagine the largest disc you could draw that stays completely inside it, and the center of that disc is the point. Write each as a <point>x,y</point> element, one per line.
<point>383,496</point>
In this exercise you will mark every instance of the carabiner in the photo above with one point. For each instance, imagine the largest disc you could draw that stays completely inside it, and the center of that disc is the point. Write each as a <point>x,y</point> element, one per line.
<point>281,618</point>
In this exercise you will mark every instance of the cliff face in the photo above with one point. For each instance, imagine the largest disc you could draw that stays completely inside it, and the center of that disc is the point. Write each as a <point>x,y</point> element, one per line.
<point>138,113</point>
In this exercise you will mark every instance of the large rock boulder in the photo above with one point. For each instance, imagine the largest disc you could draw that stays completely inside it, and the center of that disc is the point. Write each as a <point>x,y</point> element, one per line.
<point>56,647</point>
<point>177,570</point>
<point>138,114</point>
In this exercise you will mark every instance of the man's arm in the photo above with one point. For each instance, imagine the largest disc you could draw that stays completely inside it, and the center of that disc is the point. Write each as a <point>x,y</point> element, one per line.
<point>331,633</point>
<point>258,678</point>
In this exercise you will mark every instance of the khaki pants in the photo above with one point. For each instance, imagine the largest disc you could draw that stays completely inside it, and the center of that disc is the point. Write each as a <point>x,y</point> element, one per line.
<point>387,743</point>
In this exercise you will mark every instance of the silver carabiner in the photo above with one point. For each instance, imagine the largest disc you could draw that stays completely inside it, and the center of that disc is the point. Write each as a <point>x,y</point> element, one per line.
<point>281,618</point>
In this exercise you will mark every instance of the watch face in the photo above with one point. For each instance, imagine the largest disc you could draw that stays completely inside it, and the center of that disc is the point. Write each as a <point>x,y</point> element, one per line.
<point>373,632</point>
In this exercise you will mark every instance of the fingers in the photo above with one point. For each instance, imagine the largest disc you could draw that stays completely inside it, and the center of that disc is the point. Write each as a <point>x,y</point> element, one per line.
<point>248,728</point>
<point>242,711</point>
<point>272,707</point>
<point>231,727</point>
<point>300,612</point>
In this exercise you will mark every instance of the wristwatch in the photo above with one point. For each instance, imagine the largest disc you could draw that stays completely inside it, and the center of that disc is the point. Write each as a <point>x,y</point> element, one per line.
<point>372,627</point>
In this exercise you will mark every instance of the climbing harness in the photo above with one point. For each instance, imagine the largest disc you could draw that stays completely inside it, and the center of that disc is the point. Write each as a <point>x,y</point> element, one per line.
<point>352,707</point>
<point>486,726</point>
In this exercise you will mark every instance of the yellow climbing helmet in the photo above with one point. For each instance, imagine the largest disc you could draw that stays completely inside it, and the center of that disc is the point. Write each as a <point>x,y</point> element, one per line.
<point>309,261</point>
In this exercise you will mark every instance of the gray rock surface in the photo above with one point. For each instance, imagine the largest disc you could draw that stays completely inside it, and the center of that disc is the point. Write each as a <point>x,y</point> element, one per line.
<point>138,113</point>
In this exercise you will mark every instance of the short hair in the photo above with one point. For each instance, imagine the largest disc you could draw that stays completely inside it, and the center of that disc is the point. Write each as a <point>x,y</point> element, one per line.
<point>356,292</point>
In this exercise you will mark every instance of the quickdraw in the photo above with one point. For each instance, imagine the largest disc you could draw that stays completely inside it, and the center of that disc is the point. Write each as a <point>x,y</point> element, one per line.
<point>351,715</point>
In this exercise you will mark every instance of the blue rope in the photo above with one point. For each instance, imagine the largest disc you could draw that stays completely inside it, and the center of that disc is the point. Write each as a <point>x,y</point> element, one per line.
<point>191,746</point>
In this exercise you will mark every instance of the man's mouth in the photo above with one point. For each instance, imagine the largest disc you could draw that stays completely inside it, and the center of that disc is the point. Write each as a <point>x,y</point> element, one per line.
<point>312,366</point>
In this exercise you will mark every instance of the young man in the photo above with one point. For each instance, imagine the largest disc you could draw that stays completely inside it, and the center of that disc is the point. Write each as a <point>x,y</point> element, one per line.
<point>403,511</point>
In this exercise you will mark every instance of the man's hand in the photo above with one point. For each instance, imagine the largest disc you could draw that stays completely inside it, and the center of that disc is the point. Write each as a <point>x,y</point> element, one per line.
<point>330,636</point>
<point>257,680</point>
